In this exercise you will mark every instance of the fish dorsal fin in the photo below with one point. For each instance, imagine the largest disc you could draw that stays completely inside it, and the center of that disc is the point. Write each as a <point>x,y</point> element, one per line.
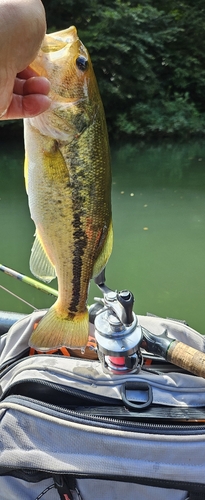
<point>40,265</point>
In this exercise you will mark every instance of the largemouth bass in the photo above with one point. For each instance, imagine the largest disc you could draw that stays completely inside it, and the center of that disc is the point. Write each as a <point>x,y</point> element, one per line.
<point>68,181</point>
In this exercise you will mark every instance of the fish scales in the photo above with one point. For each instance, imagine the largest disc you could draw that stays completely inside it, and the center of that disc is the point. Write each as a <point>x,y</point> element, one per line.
<point>68,179</point>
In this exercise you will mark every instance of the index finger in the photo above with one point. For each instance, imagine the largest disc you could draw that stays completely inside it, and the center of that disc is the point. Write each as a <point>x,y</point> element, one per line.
<point>26,106</point>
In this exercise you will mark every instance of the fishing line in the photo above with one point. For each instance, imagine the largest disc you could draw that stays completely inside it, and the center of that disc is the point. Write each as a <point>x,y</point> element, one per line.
<point>17,297</point>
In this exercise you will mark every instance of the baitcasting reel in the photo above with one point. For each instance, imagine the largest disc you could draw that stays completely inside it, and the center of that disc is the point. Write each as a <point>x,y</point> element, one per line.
<point>120,338</point>
<point>117,333</point>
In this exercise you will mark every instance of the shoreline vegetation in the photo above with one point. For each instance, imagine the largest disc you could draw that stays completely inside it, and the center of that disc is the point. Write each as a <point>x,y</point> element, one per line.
<point>149,60</point>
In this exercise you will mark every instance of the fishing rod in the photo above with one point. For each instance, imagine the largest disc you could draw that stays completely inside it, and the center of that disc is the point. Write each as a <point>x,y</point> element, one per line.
<point>28,281</point>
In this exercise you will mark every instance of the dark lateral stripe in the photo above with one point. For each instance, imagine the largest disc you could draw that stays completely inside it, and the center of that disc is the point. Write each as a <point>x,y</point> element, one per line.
<point>80,243</point>
<point>77,180</point>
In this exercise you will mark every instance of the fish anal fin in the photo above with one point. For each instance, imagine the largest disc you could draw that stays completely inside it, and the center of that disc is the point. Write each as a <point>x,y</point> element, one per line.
<point>56,330</point>
<point>40,264</point>
<point>104,254</point>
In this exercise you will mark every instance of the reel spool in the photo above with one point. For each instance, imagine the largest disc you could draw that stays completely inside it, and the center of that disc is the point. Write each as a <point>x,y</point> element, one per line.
<point>117,333</point>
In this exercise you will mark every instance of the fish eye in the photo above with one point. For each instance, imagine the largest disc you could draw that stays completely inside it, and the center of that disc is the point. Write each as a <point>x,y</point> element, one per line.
<point>82,63</point>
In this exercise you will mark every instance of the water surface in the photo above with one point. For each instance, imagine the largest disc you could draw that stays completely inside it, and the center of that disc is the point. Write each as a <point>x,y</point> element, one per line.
<point>158,199</point>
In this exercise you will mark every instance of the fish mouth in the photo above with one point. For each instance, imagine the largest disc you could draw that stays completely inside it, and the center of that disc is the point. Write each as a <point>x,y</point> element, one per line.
<point>56,41</point>
<point>68,35</point>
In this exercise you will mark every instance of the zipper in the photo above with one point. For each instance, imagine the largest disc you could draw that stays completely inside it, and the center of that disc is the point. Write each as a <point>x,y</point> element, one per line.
<point>98,405</point>
<point>79,396</point>
<point>102,421</point>
<point>122,379</point>
<point>85,406</point>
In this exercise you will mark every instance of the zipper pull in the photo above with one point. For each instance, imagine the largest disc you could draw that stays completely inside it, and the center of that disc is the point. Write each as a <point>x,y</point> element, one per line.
<point>66,487</point>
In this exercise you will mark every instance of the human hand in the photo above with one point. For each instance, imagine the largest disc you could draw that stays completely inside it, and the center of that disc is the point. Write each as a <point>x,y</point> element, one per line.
<point>29,96</point>
<point>22,29</point>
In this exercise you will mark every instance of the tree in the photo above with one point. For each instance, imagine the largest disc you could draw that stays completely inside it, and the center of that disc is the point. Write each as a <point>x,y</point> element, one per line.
<point>128,43</point>
<point>149,59</point>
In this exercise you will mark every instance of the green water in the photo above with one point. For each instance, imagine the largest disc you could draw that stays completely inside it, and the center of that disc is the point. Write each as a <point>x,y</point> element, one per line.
<point>158,202</point>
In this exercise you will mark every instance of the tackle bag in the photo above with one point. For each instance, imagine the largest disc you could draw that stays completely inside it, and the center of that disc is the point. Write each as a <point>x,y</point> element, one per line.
<point>70,431</point>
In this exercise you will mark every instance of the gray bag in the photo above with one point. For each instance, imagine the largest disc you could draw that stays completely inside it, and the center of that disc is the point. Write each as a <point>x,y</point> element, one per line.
<point>71,431</point>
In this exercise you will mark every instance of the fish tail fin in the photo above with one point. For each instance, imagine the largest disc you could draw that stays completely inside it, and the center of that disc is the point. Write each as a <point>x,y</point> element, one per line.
<point>55,330</point>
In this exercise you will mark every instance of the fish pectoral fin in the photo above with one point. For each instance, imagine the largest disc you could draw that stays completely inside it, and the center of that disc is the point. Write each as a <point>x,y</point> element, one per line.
<point>40,265</point>
<point>104,254</point>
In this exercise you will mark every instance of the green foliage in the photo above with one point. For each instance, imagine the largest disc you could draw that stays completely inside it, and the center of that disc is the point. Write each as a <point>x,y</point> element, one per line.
<point>149,59</point>
<point>131,46</point>
<point>163,117</point>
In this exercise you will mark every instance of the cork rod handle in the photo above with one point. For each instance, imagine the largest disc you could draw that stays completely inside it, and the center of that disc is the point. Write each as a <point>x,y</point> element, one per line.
<point>187,358</point>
